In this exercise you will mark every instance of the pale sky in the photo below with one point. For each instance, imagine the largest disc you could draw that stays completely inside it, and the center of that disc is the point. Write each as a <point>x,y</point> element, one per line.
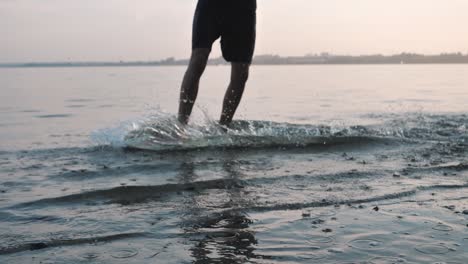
<point>111,30</point>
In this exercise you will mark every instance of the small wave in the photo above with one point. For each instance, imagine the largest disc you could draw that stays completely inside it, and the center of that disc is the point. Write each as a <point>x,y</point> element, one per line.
<point>456,166</point>
<point>425,126</point>
<point>75,106</point>
<point>9,217</point>
<point>138,194</point>
<point>79,175</point>
<point>326,203</point>
<point>30,111</point>
<point>133,194</point>
<point>296,206</point>
<point>54,116</point>
<point>69,242</point>
<point>80,100</point>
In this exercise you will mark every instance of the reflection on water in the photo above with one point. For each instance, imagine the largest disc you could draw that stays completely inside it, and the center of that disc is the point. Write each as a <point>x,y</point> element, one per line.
<point>217,235</point>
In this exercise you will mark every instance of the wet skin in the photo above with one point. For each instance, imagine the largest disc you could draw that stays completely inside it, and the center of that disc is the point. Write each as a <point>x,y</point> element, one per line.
<point>190,84</point>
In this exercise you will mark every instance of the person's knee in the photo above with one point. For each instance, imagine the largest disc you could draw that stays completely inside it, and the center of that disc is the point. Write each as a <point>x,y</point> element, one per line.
<point>240,73</point>
<point>200,57</point>
<point>244,76</point>
<point>198,61</point>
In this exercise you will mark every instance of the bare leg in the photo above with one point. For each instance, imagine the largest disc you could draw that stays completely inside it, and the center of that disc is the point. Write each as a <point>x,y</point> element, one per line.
<point>232,98</point>
<point>189,89</point>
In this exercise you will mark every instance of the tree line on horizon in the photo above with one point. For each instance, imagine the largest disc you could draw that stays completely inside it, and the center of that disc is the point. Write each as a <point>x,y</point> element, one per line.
<point>270,59</point>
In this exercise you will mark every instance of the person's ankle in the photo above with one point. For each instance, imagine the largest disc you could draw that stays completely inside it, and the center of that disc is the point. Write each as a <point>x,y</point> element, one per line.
<point>182,120</point>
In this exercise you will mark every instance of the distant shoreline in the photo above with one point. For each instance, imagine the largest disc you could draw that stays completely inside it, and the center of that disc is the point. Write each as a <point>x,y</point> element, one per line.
<point>316,59</point>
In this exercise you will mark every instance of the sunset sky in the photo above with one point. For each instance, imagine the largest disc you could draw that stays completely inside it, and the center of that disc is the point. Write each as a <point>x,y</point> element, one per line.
<point>110,30</point>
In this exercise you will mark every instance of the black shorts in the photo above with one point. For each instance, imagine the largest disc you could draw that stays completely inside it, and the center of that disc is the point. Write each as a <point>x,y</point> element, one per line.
<point>232,20</point>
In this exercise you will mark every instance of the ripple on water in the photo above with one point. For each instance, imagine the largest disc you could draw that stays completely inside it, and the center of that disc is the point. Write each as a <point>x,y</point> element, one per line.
<point>90,255</point>
<point>54,116</point>
<point>75,106</point>
<point>297,187</point>
<point>360,262</point>
<point>432,249</point>
<point>323,214</point>
<point>319,239</point>
<point>48,261</point>
<point>366,244</point>
<point>291,253</point>
<point>124,253</point>
<point>387,260</point>
<point>79,100</point>
<point>312,256</point>
<point>222,236</point>
<point>106,106</point>
<point>442,227</point>
<point>30,111</point>
<point>450,262</point>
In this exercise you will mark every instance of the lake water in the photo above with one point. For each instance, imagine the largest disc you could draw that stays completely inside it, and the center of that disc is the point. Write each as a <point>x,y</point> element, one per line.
<point>324,164</point>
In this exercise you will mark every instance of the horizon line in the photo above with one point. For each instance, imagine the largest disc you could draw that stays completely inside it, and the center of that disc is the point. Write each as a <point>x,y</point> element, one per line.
<point>172,58</point>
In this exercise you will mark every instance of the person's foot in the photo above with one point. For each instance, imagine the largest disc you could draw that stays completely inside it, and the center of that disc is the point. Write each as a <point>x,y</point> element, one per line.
<point>180,131</point>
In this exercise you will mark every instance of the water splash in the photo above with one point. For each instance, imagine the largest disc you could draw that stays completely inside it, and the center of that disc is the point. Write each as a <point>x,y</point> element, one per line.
<point>161,131</point>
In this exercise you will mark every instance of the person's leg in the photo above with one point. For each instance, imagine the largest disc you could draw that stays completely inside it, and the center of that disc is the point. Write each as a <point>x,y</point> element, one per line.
<point>238,32</point>
<point>189,89</point>
<point>232,98</point>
